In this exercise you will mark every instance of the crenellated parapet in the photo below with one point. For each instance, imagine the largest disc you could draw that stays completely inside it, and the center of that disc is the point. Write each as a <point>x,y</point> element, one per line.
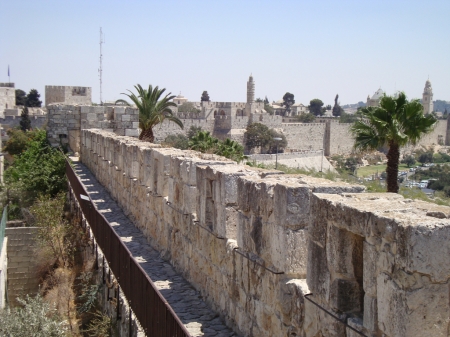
<point>256,242</point>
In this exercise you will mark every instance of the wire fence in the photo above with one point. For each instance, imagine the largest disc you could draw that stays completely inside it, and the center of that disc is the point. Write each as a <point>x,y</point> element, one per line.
<point>153,312</point>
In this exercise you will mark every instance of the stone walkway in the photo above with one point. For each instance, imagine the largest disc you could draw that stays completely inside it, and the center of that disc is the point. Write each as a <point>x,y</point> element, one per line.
<point>187,303</point>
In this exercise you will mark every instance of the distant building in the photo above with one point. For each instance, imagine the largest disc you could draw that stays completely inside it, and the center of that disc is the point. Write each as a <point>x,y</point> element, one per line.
<point>375,99</point>
<point>7,96</point>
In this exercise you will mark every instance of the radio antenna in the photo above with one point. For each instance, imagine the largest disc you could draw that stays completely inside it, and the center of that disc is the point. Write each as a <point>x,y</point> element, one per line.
<point>100,70</point>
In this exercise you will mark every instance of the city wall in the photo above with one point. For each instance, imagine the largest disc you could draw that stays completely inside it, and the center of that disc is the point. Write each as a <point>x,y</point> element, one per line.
<point>66,121</point>
<point>256,242</point>
<point>304,136</point>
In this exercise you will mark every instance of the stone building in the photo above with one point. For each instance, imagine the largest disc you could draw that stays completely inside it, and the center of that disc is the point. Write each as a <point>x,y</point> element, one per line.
<point>7,96</point>
<point>375,99</point>
<point>68,95</point>
<point>427,98</point>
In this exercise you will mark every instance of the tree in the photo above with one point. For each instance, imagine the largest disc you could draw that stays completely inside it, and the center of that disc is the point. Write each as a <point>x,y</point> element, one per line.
<point>153,110</point>
<point>426,157</point>
<point>316,107</point>
<point>409,160</point>
<point>259,100</point>
<point>32,99</point>
<point>18,141</point>
<point>394,123</point>
<point>328,107</point>
<point>347,118</point>
<point>205,97</point>
<point>288,101</point>
<point>25,122</point>
<point>257,135</point>
<point>266,101</point>
<point>351,164</point>
<point>188,107</point>
<point>269,109</point>
<point>337,109</point>
<point>274,144</point>
<point>20,97</point>
<point>306,118</point>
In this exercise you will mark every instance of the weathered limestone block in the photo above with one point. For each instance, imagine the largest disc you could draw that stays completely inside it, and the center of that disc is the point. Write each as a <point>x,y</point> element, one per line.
<point>417,312</point>
<point>218,189</point>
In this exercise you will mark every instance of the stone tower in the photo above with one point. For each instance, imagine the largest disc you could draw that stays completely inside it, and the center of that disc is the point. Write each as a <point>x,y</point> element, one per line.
<point>250,90</point>
<point>427,100</point>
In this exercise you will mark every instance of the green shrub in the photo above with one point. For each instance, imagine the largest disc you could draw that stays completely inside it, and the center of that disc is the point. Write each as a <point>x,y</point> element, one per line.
<point>36,318</point>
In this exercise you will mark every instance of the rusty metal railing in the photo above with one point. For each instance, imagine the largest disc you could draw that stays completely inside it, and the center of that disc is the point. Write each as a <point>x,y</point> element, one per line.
<point>153,312</point>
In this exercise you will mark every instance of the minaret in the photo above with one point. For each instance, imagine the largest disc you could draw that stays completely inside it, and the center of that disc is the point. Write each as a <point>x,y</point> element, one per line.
<point>427,98</point>
<point>250,90</point>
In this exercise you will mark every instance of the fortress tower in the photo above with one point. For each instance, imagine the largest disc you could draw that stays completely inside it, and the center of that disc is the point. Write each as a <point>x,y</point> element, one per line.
<point>250,90</point>
<point>427,98</point>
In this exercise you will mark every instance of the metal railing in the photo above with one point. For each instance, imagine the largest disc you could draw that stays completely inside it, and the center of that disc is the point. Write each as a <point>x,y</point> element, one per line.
<point>3,226</point>
<point>153,312</point>
<point>334,316</point>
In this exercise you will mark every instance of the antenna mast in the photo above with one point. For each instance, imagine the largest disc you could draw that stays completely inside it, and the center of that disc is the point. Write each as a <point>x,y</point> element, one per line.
<point>100,70</point>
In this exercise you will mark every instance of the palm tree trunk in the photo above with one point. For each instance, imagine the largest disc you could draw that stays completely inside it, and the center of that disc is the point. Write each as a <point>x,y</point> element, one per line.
<point>392,167</point>
<point>147,135</point>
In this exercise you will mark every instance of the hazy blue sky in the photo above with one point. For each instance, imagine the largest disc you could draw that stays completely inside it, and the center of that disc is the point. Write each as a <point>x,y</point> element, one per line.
<point>314,49</point>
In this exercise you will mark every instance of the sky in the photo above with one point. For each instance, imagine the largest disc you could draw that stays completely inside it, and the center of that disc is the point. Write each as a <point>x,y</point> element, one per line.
<point>313,49</point>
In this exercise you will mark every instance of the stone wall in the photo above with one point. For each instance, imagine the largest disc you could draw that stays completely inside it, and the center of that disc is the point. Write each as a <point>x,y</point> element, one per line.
<point>68,95</point>
<point>341,141</point>
<point>308,160</point>
<point>11,122</point>
<point>383,263</point>
<point>169,128</point>
<point>3,273</point>
<point>22,263</point>
<point>255,242</point>
<point>304,136</point>
<point>65,122</point>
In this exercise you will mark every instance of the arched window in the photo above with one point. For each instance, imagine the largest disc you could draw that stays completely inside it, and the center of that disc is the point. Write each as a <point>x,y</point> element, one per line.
<point>222,113</point>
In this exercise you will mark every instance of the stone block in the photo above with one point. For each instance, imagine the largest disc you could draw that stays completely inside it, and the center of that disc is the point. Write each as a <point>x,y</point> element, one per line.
<point>425,248</point>
<point>318,276</point>
<point>345,253</point>
<point>419,312</point>
<point>345,295</point>
<point>370,313</point>
<point>292,206</point>
<point>370,269</point>
<point>287,250</point>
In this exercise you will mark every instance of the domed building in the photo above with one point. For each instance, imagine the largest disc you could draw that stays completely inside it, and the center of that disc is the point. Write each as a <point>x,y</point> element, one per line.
<point>375,99</point>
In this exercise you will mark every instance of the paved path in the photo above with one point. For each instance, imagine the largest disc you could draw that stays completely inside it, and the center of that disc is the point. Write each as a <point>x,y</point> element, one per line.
<point>187,303</point>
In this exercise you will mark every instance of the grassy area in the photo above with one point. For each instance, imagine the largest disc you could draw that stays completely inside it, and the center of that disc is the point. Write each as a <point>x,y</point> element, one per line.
<point>372,169</point>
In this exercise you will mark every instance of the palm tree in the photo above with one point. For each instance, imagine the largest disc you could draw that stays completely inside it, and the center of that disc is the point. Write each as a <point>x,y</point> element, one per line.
<point>395,123</point>
<point>153,109</point>
<point>203,142</point>
<point>232,150</point>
